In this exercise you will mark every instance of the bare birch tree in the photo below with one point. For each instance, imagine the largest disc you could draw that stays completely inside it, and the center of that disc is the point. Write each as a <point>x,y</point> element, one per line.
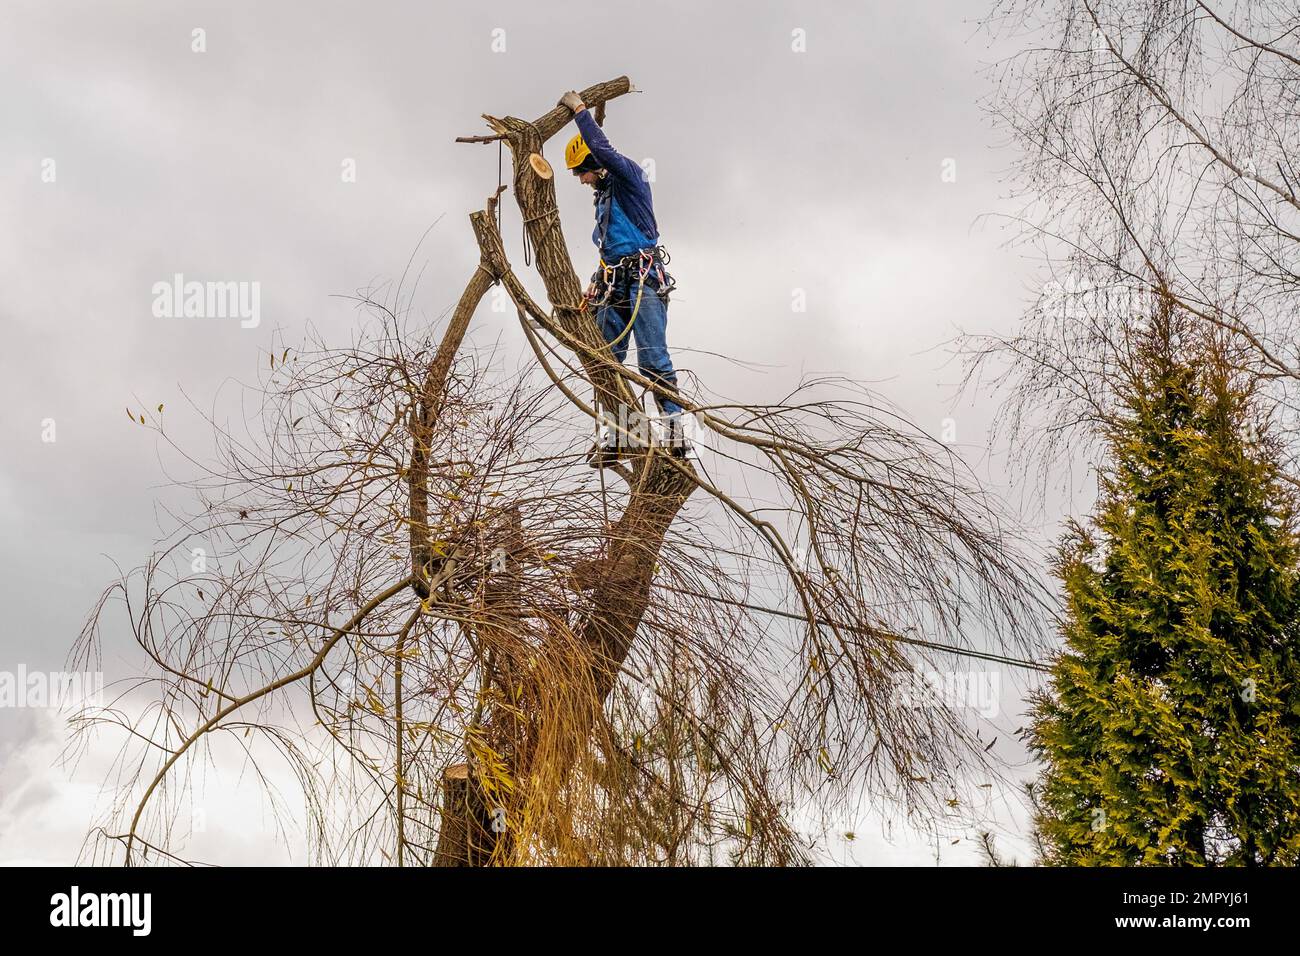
<point>1157,143</point>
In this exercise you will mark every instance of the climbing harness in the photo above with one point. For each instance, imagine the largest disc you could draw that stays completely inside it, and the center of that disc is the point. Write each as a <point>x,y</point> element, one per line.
<point>645,261</point>
<point>643,270</point>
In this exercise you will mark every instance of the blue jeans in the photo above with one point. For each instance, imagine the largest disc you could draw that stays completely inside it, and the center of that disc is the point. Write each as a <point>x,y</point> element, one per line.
<point>649,328</point>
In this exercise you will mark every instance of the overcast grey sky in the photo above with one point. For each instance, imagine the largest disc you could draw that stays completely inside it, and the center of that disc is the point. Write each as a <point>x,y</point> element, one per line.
<point>776,170</point>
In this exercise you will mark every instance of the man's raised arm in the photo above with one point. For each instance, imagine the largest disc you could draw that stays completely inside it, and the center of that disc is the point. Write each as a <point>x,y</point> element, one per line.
<point>594,137</point>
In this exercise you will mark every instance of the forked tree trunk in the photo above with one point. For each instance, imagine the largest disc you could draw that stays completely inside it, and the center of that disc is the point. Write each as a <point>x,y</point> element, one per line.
<point>620,582</point>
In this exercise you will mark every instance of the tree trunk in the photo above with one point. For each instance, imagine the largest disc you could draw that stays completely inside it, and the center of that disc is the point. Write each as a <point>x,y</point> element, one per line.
<point>620,582</point>
<point>465,837</point>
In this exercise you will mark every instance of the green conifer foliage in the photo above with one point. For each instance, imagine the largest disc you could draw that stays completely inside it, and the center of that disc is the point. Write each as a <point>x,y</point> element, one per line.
<point>1170,733</point>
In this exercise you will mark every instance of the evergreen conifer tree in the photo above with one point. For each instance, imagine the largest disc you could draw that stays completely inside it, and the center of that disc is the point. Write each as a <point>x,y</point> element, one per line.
<point>1170,732</point>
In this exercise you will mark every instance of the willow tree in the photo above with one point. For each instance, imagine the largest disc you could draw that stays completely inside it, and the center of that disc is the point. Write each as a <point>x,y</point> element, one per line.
<point>471,651</point>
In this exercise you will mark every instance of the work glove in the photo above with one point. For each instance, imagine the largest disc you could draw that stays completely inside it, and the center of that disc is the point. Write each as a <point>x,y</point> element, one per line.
<point>572,101</point>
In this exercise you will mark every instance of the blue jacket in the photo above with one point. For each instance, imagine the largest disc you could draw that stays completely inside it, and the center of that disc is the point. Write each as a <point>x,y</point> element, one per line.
<point>625,216</point>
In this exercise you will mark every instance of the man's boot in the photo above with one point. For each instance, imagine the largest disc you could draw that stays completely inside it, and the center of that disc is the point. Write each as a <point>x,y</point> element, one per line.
<point>679,446</point>
<point>604,452</point>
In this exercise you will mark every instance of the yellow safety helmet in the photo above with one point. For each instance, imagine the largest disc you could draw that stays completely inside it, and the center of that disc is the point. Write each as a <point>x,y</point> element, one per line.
<point>576,152</point>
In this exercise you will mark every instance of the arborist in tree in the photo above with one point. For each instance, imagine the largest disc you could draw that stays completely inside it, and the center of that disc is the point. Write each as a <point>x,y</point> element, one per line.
<point>630,289</point>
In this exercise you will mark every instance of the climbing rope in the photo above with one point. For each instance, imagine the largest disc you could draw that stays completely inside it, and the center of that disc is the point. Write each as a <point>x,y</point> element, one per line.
<point>604,501</point>
<point>640,286</point>
<point>553,212</point>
